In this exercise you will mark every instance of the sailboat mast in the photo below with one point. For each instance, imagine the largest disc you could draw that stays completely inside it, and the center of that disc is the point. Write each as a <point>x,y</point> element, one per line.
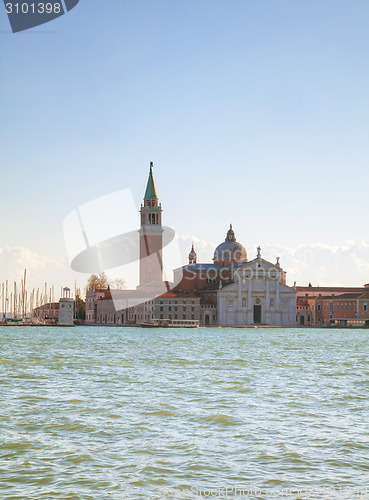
<point>6,297</point>
<point>15,299</point>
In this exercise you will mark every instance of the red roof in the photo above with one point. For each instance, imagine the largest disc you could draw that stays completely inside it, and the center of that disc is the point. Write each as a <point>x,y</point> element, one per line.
<point>343,296</point>
<point>332,289</point>
<point>179,295</point>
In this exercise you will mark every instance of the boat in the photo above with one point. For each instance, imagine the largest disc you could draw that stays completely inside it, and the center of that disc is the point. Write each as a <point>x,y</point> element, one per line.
<point>171,323</point>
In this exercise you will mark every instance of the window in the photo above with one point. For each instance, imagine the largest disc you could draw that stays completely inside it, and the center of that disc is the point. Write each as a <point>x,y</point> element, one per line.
<point>243,302</point>
<point>318,307</point>
<point>365,307</point>
<point>230,303</point>
<point>210,280</point>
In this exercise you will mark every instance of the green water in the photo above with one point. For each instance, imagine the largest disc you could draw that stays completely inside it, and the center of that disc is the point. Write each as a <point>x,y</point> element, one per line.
<point>129,413</point>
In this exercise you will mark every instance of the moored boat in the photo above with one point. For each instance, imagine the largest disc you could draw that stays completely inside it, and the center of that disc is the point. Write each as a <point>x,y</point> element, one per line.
<point>171,323</point>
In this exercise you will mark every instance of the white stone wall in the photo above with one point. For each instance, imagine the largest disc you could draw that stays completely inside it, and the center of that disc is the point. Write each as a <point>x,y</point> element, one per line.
<point>66,312</point>
<point>257,285</point>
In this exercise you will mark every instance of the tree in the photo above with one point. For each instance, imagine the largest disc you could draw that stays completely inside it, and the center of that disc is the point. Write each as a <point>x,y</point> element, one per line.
<point>118,283</point>
<point>96,282</point>
<point>80,309</point>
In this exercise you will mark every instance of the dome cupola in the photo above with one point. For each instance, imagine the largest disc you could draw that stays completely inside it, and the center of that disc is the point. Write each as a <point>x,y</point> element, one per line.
<point>192,256</point>
<point>230,251</point>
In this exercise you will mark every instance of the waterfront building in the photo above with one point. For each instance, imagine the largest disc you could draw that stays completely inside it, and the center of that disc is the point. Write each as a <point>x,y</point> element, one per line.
<point>178,305</point>
<point>66,308</point>
<point>238,292</point>
<point>305,311</point>
<point>49,311</point>
<point>258,294</point>
<point>125,307</point>
<point>363,305</point>
<point>341,306</point>
<point>338,309</point>
<point>92,297</point>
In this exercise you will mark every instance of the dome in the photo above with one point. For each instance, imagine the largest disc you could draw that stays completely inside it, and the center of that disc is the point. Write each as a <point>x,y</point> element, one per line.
<point>192,253</point>
<point>192,256</point>
<point>230,251</point>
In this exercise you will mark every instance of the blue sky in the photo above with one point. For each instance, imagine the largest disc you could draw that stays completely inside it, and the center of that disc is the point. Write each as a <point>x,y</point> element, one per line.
<point>254,112</point>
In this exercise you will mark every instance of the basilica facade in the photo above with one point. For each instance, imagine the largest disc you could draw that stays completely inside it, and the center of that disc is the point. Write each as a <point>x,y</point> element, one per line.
<point>258,294</point>
<point>237,292</point>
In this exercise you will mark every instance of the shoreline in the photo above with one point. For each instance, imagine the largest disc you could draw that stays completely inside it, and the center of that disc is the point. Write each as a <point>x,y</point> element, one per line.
<point>297,327</point>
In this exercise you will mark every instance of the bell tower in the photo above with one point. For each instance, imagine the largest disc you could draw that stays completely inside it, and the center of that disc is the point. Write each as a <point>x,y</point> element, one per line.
<point>151,236</point>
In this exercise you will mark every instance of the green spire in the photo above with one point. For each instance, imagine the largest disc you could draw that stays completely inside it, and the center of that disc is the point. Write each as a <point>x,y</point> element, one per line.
<point>150,193</point>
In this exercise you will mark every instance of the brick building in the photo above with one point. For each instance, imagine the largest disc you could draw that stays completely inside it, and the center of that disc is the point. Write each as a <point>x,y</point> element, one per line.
<point>328,306</point>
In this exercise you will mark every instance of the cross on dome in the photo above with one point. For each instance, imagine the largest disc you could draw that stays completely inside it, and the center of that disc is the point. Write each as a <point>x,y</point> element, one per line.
<point>230,234</point>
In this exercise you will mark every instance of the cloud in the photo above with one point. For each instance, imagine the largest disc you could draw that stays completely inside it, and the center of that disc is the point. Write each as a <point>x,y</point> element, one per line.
<point>40,268</point>
<point>317,263</point>
<point>320,264</point>
<point>16,259</point>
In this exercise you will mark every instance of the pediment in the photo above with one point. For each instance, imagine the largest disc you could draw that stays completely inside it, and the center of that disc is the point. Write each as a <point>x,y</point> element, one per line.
<point>255,267</point>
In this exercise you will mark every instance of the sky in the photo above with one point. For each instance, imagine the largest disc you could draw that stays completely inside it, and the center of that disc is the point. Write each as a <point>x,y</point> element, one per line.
<point>255,113</point>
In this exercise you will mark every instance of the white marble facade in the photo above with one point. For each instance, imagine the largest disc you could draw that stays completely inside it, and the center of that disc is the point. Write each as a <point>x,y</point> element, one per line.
<point>257,295</point>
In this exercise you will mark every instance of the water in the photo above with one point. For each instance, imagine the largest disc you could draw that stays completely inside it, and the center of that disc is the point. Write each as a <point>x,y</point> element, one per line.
<point>129,413</point>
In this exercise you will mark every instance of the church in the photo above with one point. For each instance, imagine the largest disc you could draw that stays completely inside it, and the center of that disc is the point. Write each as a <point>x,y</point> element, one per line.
<point>242,292</point>
<point>231,291</point>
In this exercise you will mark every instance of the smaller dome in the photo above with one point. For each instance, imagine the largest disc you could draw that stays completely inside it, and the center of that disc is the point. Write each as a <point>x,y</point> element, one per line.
<point>230,251</point>
<point>192,253</point>
<point>192,256</point>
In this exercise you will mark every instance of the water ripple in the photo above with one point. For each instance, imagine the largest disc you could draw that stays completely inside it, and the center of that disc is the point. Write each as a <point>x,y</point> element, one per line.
<point>126,413</point>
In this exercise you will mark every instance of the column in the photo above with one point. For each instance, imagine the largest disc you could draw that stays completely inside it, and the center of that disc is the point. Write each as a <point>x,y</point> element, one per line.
<point>239,303</point>
<point>277,304</point>
<point>250,318</point>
